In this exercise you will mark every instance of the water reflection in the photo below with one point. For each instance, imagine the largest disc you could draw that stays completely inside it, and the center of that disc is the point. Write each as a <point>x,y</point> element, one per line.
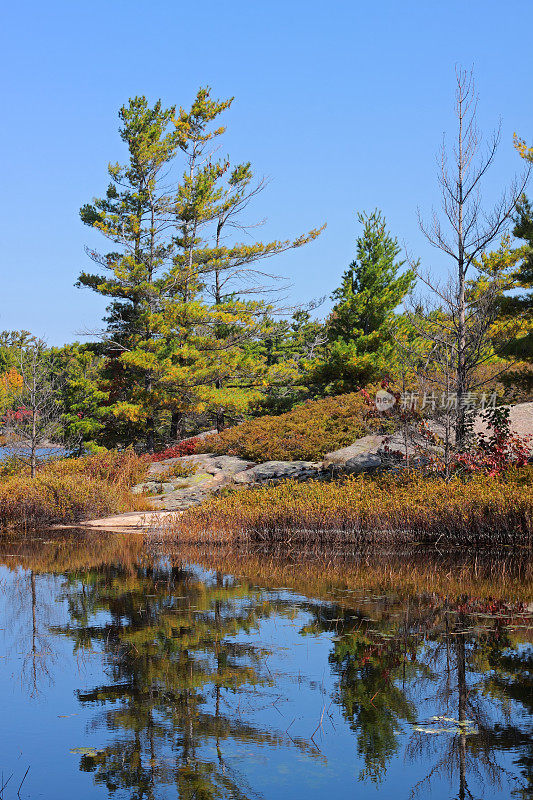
<point>170,638</point>
<point>220,674</point>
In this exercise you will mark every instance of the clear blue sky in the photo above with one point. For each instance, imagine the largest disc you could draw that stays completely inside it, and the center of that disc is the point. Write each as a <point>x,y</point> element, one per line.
<point>343,104</point>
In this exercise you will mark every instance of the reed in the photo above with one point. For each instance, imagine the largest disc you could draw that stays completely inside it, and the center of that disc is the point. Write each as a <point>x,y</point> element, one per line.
<point>72,489</point>
<point>477,510</point>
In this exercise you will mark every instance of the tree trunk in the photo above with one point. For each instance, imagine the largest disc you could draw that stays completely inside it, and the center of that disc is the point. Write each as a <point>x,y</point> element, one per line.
<point>176,425</point>
<point>461,688</point>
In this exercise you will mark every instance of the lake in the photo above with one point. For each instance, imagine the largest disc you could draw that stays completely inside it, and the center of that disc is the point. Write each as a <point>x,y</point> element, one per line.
<point>133,669</point>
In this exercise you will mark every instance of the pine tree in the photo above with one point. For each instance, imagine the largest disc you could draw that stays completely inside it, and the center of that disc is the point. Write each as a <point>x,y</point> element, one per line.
<point>135,216</point>
<point>360,326</point>
<point>185,303</point>
<point>521,304</point>
<point>84,400</point>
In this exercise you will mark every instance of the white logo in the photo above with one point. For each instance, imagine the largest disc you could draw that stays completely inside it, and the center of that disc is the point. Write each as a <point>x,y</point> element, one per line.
<point>384,400</point>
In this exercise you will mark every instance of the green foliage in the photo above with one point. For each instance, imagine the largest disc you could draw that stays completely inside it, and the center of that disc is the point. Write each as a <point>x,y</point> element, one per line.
<point>291,349</point>
<point>84,401</point>
<point>11,345</point>
<point>184,298</point>
<point>305,433</point>
<point>521,304</point>
<point>361,324</point>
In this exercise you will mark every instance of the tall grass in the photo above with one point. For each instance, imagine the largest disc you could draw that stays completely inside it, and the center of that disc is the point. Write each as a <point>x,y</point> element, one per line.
<point>71,490</point>
<point>480,509</point>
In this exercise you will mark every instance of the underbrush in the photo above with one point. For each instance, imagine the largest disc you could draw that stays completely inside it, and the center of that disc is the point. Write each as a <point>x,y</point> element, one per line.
<point>185,448</point>
<point>306,433</point>
<point>72,489</point>
<point>387,508</point>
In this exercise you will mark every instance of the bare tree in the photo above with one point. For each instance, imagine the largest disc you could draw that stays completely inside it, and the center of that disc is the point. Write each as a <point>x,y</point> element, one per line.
<point>33,422</point>
<point>464,233</point>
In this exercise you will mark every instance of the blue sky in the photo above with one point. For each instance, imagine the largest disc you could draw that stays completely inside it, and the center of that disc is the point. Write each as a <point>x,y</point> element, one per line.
<point>342,104</point>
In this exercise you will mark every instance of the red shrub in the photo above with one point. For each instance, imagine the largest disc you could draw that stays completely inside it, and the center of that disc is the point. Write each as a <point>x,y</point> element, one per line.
<point>496,453</point>
<point>187,447</point>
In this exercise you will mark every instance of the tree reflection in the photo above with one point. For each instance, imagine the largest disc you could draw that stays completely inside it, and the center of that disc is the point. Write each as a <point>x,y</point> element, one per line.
<point>444,683</point>
<point>29,615</point>
<point>469,672</point>
<point>172,646</point>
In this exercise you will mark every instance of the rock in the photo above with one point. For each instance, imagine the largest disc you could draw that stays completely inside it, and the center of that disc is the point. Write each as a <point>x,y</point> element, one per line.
<point>278,470</point>
<point>520,420</point>
<point>189,496</point>
<point>362,452</point>
<point>364,462</point>
<point>151,487</point>
<point>206,462</point>
<point>229,465</point>
<point>191,480</point>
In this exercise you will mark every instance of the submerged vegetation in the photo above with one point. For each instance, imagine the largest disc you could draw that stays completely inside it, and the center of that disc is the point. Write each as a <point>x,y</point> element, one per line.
<point>480,509</point>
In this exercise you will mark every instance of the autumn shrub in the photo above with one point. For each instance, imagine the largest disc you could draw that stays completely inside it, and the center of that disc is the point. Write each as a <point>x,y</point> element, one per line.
<point>385,508</point>
<point>48,499</point>
<point>305,433</point>
<point>119,467</point>
<point>187,447</point>
<point>12,465</point>
<point>69,490</point>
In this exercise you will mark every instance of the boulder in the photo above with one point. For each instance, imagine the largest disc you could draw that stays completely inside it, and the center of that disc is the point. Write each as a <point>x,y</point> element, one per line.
<point>520,420</point>
<point>204,462</point>
<point>278,470</point>
<point>150,487</point>
<point>372,452</point>
<point>364,462</point>
<point>357,457</point>
<point>229,465</point>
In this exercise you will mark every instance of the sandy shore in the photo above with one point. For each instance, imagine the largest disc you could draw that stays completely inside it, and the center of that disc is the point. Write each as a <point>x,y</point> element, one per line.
<point>131,522</point>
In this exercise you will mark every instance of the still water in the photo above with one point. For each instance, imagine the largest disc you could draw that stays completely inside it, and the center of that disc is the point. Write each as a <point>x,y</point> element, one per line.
<point>129,670</point>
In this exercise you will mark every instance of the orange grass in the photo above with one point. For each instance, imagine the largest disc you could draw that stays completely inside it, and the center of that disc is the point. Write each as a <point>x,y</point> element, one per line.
<point>72,489</point>
<point>480,509</point>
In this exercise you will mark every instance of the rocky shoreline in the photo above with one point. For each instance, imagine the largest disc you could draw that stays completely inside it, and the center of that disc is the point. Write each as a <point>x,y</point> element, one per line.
<point>169,491</point>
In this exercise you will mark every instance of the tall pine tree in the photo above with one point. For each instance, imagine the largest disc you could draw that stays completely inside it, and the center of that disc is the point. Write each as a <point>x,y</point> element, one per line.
<point>186,303</point>
<point>361,324</point>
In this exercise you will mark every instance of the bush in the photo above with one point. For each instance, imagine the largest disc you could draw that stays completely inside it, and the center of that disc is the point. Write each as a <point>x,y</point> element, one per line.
<point>387,508</point>
<point>187,447</point>
<point>306,433</point>
<point>121,468</point>
<point>73,489</point>
<point>51,499</point>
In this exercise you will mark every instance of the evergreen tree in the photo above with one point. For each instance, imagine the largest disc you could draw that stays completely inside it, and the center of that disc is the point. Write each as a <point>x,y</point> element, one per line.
<point>521,304</point>
<point>82,393</point>
<point>185,302</point>
<point>135,216</point>
<point>360,326</point>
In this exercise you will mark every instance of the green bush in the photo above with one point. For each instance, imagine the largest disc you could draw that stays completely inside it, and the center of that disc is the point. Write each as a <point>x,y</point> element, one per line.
<point>305,433</point>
